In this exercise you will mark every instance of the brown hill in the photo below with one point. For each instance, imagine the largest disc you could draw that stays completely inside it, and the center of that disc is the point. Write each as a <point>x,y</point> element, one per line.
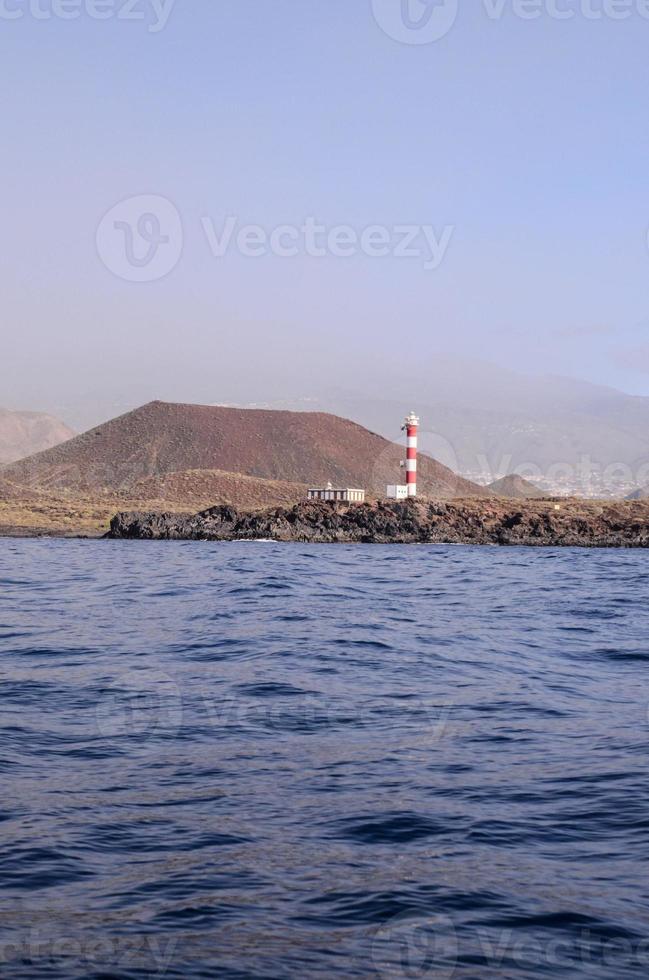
<point>25,433</point>
<point>293,447</point>
<point>515,486</point>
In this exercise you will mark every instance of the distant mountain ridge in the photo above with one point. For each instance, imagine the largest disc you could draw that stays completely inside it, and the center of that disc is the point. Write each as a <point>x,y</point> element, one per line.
<point>25,433</point>
<point>293,447</point>
<point>484,422</point>
<point>516,487</point>
<point>641,494</point>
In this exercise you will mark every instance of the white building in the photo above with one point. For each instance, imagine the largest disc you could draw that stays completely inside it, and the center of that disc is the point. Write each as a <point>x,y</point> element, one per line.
<point>346,495</point>
<point>397,492</point>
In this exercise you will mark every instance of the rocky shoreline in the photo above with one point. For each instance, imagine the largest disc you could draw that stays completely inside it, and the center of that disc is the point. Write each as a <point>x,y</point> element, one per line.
<point>540,523</point>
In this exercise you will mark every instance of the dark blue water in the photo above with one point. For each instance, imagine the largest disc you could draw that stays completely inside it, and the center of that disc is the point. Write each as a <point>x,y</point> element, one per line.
<point>258,760</point>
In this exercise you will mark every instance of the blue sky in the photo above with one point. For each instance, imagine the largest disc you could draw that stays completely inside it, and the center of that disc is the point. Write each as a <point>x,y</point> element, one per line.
<point>527,139</point>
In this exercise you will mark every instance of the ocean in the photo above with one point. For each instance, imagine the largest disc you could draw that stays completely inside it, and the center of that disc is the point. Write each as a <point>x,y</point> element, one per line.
<point>260,760</point>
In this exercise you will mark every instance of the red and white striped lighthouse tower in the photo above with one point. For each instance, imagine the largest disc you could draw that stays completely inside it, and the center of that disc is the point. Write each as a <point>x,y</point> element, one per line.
<point>411,425</point>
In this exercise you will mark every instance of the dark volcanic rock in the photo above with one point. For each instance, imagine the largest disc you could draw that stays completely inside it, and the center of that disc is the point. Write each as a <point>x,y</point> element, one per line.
<point>573,523</point>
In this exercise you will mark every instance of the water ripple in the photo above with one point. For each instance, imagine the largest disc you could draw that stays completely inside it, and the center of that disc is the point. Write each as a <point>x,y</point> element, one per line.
<point>258,760</point>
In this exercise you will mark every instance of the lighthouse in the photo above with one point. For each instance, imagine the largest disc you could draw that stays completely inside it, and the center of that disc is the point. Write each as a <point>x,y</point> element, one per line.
<point>411,426</point>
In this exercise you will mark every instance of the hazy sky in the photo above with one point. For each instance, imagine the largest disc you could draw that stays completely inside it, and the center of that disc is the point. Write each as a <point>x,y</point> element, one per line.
<point>512,152</point>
